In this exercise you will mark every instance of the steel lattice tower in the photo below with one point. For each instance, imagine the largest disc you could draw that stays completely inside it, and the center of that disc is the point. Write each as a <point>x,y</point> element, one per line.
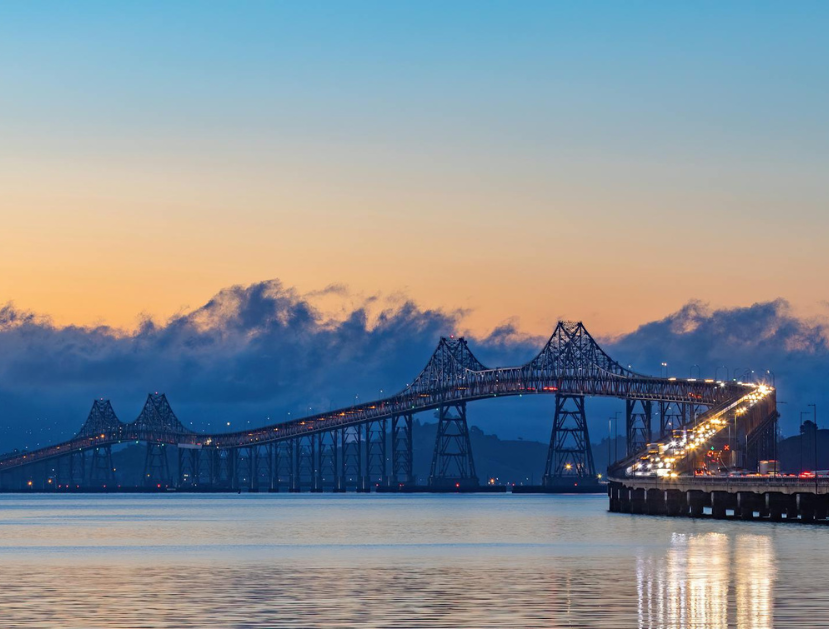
<point>569,455</point>
<point>452,462</point>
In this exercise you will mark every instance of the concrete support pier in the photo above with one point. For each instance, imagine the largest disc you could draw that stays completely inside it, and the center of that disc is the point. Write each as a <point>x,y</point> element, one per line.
<point>771,499</point>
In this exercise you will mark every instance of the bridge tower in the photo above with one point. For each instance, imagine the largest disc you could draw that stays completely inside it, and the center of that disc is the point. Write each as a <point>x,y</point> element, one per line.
<point>452,462</point>
<point>570,454</point>
<point>638,414</point>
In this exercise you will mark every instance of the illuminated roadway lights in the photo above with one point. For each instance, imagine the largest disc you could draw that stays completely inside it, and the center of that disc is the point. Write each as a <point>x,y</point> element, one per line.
<point>660,466</point>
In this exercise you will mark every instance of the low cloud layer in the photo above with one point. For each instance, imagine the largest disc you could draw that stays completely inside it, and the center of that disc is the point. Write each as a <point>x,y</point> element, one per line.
<point>262,351</point>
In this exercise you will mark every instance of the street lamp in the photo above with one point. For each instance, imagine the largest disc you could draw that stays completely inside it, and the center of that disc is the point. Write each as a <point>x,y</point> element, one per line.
<point>699,371</point>
<point>717,372</point>
<point>802,413</point>
<point>665,367</point>
<point>814,418</point>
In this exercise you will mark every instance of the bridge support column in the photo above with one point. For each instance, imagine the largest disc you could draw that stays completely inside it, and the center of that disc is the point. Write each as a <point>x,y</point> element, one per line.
<point>156,467</point>
<point>351,458</point>
<point>748,502</point>
<point>614,491</point>
<point>304,463</point>
<point>452,461</point>
<point>273,474</point>
<point>722,501</point>
<point>676,502</point>
<point>636,500</point>
<point>655,502</point>
<point>777,504</point>
<point>821,507</point>
<point>100,473</point>
<point>569,456</point>
<point>401,450</point>
<point>233,467</point>
<point>376,460</point>
<point>188,467</point>
<point>283,463</point>
<point>253,469</point>
<point>327,467</point>
<point>806,503</point>
<point>638,414</point>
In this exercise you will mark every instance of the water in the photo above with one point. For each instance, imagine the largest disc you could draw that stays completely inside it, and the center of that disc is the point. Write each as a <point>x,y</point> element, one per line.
<point>396,561</point>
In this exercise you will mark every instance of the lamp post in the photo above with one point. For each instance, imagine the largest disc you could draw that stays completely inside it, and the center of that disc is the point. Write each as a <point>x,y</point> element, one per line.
<point>814,419</point>
<point>699,371</point>
<point>802,413</point>
<point>664,366</point>
<point>717,372</point>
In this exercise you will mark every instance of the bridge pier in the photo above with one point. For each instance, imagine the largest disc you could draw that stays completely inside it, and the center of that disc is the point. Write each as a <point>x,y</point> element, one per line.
<point>639,416</point>
<point>636,501</point>
<point>821,507</point>
<point>569,456</point>
<point>100,473</point>
<point>676,502</point>
<point>806,506</point>
<point>697,501</point>
<point>304,463</point>
<point>614,491</point>
<point>351,459</point>
<point>327,461</point>
<point>376,472</point>
<point>778,503</point>
<point>283,464</point>
<point>402,456</point>
<point>721,501</point>
<point>188,466</point>
<point>747,503</point>
<point>452,461</point>
<point>655,502</point>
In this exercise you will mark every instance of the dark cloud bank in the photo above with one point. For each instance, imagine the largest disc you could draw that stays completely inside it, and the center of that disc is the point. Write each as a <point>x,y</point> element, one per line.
<point>264,350</point>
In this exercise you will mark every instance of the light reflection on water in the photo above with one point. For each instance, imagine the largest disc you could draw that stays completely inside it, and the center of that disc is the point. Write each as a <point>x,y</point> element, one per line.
<point>403,561</point>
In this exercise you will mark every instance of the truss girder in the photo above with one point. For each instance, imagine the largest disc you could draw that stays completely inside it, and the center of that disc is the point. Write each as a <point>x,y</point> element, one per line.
<point>570,363</point>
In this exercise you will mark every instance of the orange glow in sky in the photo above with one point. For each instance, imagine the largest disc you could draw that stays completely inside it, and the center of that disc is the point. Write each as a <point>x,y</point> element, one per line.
<point>146,164</point>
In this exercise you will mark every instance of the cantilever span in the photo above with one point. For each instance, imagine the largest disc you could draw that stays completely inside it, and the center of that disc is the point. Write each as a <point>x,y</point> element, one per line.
<point>354,442</point>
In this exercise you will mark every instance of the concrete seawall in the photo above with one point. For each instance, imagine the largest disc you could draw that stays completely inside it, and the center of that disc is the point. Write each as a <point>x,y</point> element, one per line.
<point>774,499</point>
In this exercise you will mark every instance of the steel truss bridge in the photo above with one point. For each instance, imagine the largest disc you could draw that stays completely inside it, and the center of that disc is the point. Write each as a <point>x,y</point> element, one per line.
<point>370,444</point>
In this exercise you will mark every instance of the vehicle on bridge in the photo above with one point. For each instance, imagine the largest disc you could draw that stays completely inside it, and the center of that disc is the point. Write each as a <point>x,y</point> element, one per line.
<point>351,448</point>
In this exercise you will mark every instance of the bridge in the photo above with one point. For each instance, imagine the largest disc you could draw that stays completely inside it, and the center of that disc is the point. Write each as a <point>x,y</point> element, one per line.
<point>369,445</point>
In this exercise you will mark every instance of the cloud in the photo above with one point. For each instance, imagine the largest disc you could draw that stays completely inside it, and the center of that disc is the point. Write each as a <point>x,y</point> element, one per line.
<point>249,353</point>
<point>264,350</point>
<point>764,337</point>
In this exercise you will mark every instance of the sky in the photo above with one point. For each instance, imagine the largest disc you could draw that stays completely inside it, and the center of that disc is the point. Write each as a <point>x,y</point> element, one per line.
<point>413,168</point>
<point>536,160</point>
